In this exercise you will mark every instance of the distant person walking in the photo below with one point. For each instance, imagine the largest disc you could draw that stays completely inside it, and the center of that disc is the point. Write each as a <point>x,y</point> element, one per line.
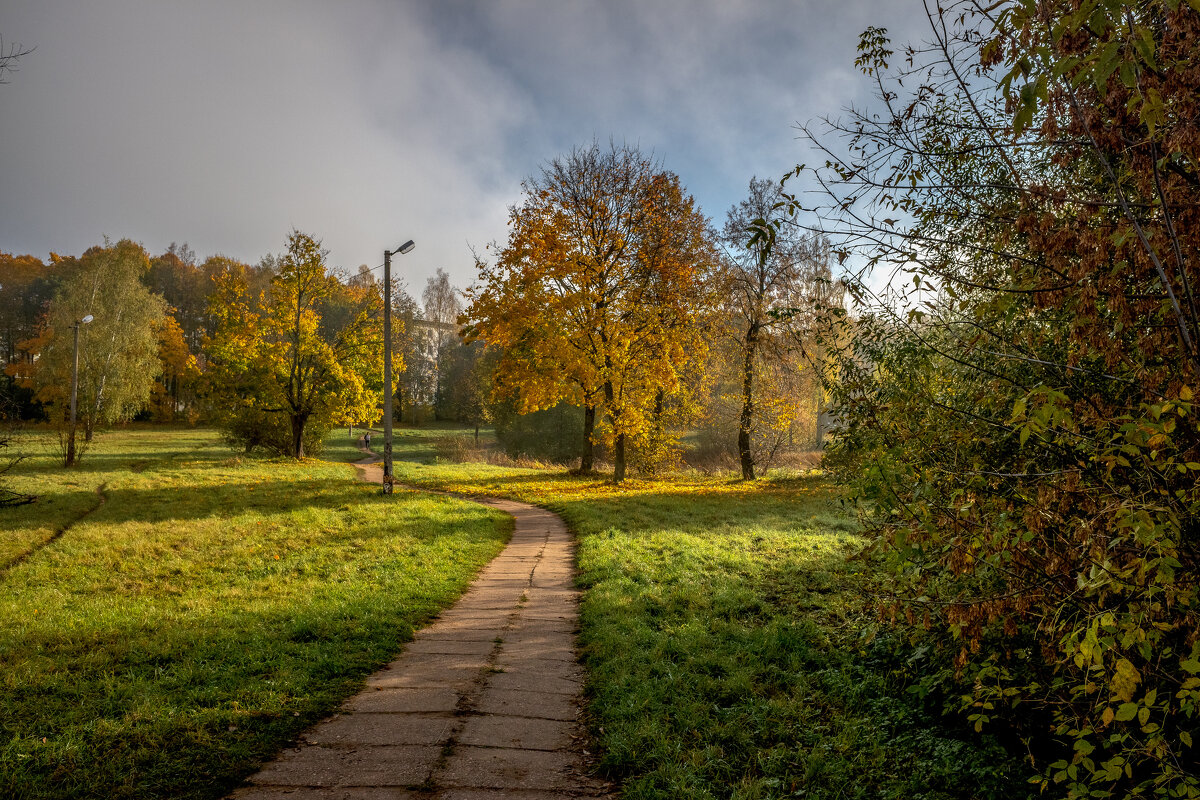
<point>367,439</point>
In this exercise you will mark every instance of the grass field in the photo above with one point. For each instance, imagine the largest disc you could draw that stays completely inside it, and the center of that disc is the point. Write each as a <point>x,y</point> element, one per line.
<point>170,614</point>
<point>212,606</point>
<point>728,641</point>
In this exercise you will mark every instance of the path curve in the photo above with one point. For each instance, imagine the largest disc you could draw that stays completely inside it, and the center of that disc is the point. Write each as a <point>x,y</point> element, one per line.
<point>483,703</point>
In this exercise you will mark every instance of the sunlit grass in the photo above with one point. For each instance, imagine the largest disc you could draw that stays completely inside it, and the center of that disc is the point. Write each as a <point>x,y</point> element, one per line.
<point>724,629</point>
<point>210,609</point>
<point>214,606</point>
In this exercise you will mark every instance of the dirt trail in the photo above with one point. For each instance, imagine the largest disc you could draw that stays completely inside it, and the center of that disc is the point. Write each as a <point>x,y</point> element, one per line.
<point>483,703</point>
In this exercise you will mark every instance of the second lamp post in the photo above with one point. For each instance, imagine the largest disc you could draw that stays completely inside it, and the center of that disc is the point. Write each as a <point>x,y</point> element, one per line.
<point>387,361</point>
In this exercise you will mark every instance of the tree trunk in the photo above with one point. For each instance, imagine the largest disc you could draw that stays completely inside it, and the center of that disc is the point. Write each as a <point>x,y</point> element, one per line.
<point>69,461</point>
<point>298,422</point>
<point>619,458</point>
<point>477,434</point>
<point>588,460</point>
<point>746,420</point>
<point>610,395</point>
<point>824,421</point>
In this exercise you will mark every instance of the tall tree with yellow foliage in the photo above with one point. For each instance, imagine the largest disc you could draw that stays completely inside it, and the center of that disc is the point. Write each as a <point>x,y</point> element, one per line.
<point>597,297</point>
<point>298,359</point>
<point>173,394</point>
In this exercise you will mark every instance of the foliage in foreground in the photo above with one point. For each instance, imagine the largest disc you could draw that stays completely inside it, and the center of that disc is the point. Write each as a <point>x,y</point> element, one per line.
<point>1024,437</point>
<point>206,613</point>
<point>724,631</point>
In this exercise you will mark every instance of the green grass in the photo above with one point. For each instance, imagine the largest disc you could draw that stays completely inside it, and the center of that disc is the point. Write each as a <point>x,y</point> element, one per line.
<point>724,628</point>
<point>206,612</point>
<point>213,607</point>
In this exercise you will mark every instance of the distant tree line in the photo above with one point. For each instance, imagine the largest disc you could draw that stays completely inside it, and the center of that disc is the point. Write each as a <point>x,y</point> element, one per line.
<point>615,305</point>
<point>274,353</point>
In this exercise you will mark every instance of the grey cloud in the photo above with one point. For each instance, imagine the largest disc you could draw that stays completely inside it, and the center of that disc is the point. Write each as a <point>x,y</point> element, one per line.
<point>225,124</point>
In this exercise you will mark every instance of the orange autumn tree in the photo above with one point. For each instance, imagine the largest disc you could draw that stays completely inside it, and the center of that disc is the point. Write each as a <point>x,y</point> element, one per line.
<point>597,298</point>
<point>26,287</point>
<point>173,393</point>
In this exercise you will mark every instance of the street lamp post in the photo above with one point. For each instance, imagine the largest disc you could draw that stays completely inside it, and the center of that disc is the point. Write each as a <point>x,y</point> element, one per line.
<point>387,361</point>
<point>75,389</point>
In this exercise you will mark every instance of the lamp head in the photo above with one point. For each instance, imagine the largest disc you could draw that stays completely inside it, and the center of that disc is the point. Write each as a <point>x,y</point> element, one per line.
<point>86,319</point>
<point>406,248</point>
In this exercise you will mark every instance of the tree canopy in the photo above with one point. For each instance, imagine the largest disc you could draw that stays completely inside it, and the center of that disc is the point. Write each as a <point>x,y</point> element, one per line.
<point>596,297</point>
<point>118,349</point>
<point>301,357</point>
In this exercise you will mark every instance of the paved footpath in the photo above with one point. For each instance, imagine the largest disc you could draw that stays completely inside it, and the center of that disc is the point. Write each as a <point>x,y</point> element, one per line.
<point>483,703</point>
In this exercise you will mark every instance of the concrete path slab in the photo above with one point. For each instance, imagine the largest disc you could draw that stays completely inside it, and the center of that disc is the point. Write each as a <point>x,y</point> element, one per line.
<point>483,704</point>
<point>533,704</point>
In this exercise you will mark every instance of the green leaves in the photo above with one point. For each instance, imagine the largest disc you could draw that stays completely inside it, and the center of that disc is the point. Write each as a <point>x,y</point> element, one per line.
<point>1106,63</point>
<point>1024,445</point>
<point>873,51</point>
<point>118,349</point>
<point>1031,95</point>
<point>1126,712</point>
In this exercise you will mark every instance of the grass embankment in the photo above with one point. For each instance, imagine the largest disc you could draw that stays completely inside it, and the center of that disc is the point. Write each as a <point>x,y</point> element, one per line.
<point>723,629</point>
<point>206,612</point>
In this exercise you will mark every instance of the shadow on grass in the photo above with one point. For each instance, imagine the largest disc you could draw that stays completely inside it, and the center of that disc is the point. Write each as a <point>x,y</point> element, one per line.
<point>189,705</point>
<point>50,511</point>
<point>228,501</point>
<point>121,460</point>
<point>174,673</point>
<point>723,638</point>
<point>590,502</point>
<point>289,507</point>
<point>722,627</point>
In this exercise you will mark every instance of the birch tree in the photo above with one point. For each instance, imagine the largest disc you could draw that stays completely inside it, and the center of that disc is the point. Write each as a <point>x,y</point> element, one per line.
<point>118,349</point>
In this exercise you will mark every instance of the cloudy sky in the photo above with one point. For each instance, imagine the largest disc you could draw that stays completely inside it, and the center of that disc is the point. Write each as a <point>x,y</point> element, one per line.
<point>227,124</point>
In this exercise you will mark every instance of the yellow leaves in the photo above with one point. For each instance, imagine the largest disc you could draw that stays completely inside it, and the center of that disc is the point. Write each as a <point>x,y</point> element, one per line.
<point>1125,680</point>
<point>306,349</point>
<point>173,351</point>
<point>596,289</point>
